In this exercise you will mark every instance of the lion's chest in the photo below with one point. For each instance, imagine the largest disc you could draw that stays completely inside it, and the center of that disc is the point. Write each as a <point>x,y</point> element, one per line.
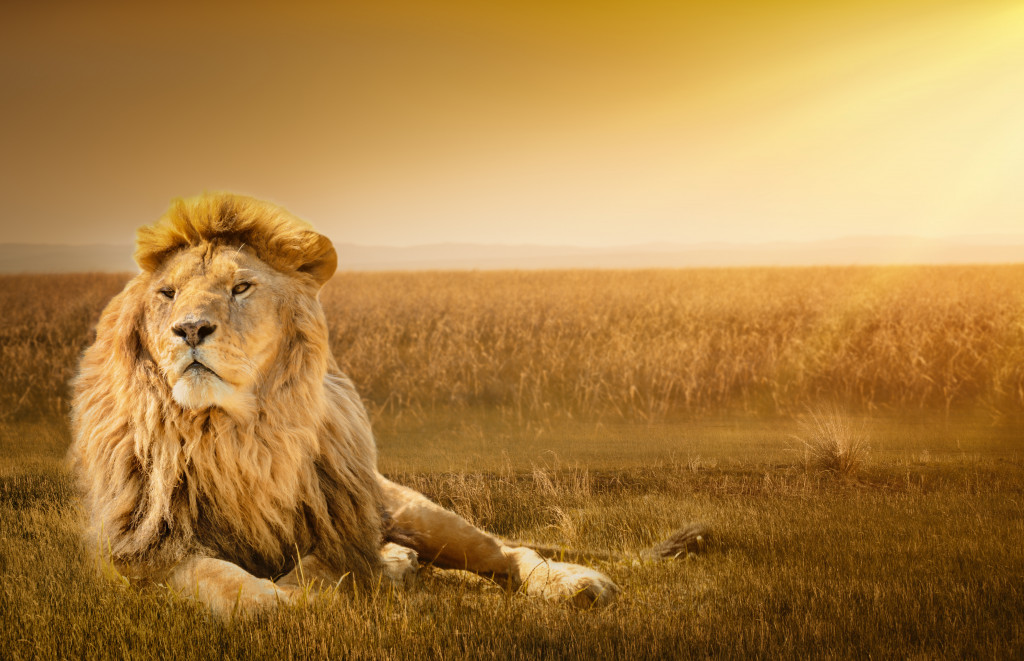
<point>248,511</point>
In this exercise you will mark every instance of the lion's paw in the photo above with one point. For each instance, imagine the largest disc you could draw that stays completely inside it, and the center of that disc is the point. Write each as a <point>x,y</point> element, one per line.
<point>226,588</point>
<point>563,581</point>
<point>400,564</point>
<point>578,585</point>
<point>252,597</point>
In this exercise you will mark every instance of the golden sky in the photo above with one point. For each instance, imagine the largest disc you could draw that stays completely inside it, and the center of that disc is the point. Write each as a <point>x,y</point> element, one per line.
<point>597,123</point>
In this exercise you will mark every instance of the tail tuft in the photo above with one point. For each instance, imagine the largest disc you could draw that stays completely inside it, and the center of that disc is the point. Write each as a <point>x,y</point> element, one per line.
<point>691,539</point>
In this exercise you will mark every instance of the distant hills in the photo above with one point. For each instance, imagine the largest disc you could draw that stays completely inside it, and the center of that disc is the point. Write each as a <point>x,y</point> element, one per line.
<point>56,258</point>
<point>847,251</point>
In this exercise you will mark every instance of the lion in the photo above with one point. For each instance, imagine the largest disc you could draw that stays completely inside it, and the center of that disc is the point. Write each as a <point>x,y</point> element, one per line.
<point>219,448</point>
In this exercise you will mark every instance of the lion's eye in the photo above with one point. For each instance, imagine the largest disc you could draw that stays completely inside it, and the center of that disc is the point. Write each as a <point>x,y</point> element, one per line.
<point>240,288</point>
<point>168,292</point>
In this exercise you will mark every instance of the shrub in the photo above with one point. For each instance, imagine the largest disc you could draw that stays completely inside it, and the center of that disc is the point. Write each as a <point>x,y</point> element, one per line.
<point>834,443</point>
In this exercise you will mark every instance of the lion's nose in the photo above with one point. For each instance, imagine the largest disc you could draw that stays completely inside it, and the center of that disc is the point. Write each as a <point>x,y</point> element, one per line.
<point>194,332</point>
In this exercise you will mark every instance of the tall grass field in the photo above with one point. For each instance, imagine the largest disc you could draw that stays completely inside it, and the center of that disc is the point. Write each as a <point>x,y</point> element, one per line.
<point>853,438</point>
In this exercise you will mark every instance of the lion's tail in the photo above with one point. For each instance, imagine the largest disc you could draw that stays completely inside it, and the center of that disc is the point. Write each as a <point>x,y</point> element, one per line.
<point>693,538</point>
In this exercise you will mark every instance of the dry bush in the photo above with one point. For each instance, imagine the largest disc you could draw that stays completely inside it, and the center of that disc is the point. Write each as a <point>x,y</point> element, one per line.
<point>834,443</point>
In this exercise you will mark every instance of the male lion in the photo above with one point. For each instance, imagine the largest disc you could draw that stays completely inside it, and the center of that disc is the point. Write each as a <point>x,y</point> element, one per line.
<point>218,445</point>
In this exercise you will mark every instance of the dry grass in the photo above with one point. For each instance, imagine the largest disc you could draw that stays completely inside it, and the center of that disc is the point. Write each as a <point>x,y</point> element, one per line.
<point>834,443</point>
<point>645,346</point>
<point>919,558</point>
<point>47,321</point>
<point>635,346</point>
<point>598,408</point>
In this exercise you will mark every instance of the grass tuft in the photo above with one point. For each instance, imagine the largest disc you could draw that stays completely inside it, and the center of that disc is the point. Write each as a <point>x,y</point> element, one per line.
<point>834,443</point>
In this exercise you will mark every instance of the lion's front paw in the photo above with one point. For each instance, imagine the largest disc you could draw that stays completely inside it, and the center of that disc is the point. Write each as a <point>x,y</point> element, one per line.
<point>227,588</point>
<point>400,564</point>
<point>562,581</point>
<point>264,594</point>
<point>246,598</point>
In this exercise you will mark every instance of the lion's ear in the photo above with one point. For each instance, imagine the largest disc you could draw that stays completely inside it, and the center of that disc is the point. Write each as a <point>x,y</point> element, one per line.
<point>318,258</point>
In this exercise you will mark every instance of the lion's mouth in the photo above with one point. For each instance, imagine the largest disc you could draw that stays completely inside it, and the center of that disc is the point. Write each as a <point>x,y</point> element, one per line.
<point>197,367</point>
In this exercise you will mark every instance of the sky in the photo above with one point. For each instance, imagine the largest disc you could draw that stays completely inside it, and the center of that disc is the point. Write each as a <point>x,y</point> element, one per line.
<point>592,124</point>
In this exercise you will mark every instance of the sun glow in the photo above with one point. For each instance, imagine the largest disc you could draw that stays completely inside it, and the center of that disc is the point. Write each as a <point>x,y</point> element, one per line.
<point>610,125</point>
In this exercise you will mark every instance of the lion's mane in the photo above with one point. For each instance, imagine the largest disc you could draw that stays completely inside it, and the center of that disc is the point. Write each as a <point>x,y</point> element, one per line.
<point>161,482</point>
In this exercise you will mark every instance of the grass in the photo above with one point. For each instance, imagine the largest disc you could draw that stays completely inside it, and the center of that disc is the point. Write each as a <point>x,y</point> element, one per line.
<point>921,557</point>
<point>834,443</point>
<point>613,346</point>
<point>918,553</point>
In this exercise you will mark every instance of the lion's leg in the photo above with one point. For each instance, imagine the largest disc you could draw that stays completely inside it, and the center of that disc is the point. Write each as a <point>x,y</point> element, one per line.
<point>309,572</point>
<point>446,540</point>
<point>225,587</point>
<point>397,562</point>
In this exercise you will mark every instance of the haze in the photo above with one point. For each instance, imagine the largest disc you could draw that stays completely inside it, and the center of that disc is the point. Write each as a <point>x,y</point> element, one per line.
<point>595,124</point>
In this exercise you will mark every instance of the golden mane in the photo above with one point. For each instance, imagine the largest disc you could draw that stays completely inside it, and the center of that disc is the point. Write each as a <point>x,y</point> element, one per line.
<point>276,236</point>
<point>162,482</point>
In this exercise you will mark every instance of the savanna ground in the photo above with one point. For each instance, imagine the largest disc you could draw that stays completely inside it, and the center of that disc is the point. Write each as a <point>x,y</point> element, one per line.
<point>602,410</point>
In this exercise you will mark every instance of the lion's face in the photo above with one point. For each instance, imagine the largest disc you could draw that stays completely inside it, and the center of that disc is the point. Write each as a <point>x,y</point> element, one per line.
<point>212,323</point>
